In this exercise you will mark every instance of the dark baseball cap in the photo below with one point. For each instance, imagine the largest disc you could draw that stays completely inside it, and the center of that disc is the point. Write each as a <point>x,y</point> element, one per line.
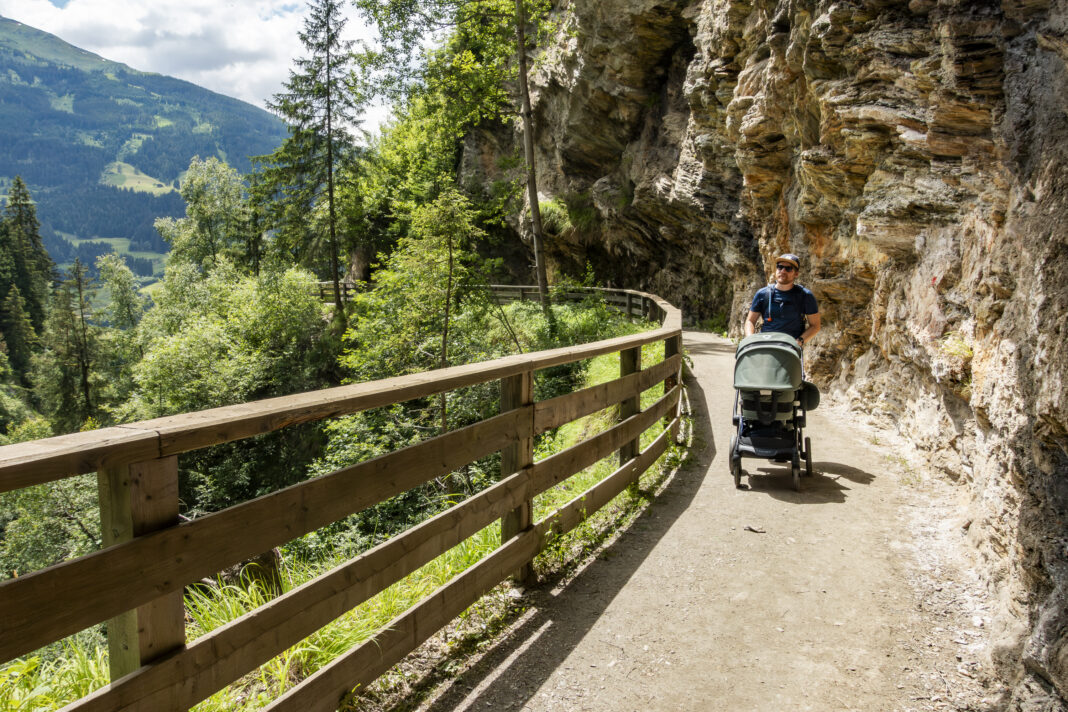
<point>791,258</point>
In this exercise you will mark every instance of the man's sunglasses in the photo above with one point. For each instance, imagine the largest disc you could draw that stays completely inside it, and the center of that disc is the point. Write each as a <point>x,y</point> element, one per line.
<point>788,268</point>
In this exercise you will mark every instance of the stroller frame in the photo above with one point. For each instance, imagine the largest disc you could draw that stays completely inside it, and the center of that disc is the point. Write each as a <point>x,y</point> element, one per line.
<point>771,409</point>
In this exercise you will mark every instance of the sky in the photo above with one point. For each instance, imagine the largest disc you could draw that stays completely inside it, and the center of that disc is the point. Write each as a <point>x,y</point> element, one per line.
<point>243,48</point>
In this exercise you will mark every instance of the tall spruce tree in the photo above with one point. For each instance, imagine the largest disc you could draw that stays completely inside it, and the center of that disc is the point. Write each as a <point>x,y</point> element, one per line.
<point>319,107</point>
<point>32,266</point>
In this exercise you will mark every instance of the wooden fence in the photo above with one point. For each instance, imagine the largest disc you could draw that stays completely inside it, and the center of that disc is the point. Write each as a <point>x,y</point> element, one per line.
<point>629,302</point>
<point>325,290</point>
<point>135,583</point>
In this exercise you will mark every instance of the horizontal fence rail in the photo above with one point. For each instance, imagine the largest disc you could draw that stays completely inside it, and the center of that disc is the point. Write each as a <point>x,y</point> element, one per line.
<point>135,583</point>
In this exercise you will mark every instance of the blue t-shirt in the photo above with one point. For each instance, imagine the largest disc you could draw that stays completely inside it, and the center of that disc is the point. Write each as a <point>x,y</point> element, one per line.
<point>787,310</point>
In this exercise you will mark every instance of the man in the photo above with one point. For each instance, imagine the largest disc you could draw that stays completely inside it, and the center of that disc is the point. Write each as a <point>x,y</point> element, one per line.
<point>784,305</point>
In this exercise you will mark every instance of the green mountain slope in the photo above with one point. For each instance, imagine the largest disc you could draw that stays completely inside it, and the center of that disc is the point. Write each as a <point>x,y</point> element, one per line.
<point>101,145</point>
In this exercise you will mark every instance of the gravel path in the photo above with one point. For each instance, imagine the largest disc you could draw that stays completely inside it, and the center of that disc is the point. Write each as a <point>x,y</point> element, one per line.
<point>849,595</point>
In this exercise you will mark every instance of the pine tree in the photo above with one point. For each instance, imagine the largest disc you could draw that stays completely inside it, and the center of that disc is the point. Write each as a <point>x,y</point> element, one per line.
<point>319,108</point>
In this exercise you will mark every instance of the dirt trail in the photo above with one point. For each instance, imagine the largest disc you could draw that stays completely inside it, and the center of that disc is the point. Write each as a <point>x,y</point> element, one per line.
<point>839,600</point>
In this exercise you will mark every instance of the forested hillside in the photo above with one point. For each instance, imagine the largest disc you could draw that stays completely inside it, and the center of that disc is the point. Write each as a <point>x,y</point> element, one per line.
<point>102,146</point>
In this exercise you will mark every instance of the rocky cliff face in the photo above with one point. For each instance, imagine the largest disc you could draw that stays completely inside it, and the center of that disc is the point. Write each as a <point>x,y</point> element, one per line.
<point>915,154</point>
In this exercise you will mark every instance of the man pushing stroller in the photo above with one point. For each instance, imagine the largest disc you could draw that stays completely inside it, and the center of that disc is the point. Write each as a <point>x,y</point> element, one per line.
<point>784,305</point>
<point>772,399</point>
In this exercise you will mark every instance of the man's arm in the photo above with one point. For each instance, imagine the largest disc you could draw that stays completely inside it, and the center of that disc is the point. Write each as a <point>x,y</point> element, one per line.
<point>751,322</point>
<point>813,327</point>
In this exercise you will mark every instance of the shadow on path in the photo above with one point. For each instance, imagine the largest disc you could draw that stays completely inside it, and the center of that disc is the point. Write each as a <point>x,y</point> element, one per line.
<point>829,482</point>
<point>704,441</point>
<point>526,658</point>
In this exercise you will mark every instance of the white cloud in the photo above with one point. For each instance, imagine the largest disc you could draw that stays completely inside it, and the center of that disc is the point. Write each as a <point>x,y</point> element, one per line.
<point>243,48</point>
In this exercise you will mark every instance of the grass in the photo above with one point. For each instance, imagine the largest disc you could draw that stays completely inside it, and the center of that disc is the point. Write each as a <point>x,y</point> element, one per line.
<point>909,476</point>
<point>62,103</point>
<point>77,669</point>
<point>210,608</point>
<point>121,245</point>
<point>123,175</point>
<point>953,344</point>
<point>717,324</point>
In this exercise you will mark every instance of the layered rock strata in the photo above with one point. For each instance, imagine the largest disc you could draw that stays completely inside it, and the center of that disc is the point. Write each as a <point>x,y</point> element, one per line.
<point>915,154</point>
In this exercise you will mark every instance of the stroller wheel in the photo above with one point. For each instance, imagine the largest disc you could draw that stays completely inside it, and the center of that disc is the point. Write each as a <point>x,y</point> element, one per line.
<point>736,463</point>
<point>795,470</point>
<point>808,457</point>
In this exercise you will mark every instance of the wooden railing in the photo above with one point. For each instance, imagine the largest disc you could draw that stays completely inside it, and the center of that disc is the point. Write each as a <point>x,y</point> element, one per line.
<point>135,583</point>
<point>325,290</point>
<point>629,302</point>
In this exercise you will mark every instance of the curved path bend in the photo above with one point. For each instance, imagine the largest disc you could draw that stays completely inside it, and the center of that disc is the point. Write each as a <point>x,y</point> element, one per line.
<point>844,596</point>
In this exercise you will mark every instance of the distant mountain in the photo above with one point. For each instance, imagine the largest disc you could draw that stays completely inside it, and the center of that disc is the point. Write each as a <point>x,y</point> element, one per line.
<point>102,145</point>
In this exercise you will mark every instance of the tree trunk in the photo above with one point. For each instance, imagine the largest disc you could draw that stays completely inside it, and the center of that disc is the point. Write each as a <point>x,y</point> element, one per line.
<point>445,334</point>
<point>532,176</point>
<point>334,266</point>
<point>83,337</point>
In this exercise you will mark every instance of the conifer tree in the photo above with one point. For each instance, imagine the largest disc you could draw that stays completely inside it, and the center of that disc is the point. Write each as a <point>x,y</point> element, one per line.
<point>63,371</point>
<point>319,107</point>
<point>19,334</point>
<point>80,290</point>
<point>32,266</point>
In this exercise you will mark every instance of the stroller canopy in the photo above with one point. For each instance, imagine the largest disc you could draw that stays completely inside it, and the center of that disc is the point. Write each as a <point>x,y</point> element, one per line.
<point>767,362</point>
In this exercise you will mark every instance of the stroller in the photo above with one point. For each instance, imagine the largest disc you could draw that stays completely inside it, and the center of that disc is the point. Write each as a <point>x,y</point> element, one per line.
<point>771,402</point>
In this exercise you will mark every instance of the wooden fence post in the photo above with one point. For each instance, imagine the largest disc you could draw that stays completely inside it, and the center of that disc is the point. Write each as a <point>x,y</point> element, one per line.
<point>135,500</point>
<point>630,361</point>
<point>516,392</point>
<point>116,526</point>
<point>672,346</point>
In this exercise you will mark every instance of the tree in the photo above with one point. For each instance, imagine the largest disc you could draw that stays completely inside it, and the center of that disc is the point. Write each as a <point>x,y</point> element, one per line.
<point>31,267</point>
<point>63,372</point>
<point>13,406</point>
<point>126,305</point>
<point>403,324</point>
<point>80,284</point>
<point>319,106</point>
<point>19,334</point>
<point>119,343</point>
<point>223,338</point>
<point>487,34</point>
<point>217,221</point>
<point>45,524</point>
